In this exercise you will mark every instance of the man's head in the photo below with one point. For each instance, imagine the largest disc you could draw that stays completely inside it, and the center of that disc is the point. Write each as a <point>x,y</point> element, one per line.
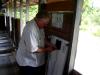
<point>42,19</point>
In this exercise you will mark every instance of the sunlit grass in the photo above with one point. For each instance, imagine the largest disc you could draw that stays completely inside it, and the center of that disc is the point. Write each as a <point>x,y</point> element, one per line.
<point>96,31</point>
<point>93,29</point>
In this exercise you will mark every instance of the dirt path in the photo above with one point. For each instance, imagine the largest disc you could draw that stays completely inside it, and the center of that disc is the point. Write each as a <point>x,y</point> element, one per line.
<point>88,54</point>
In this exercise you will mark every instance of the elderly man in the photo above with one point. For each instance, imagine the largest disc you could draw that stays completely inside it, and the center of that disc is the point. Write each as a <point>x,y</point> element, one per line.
<point>30,54</point>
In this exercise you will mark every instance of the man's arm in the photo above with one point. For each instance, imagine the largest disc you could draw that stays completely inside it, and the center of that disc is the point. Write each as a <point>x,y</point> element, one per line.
<point>48,49</point>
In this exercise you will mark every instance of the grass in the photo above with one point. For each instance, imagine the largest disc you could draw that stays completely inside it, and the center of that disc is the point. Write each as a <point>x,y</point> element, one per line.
<point>97,31</point>
<point>93,29</point>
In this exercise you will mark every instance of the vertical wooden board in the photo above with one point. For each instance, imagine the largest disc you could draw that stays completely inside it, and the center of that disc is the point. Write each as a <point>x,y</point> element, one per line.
<point>2,22</point>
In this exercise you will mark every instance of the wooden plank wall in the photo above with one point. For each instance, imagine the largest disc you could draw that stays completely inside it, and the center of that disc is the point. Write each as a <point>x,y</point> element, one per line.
<point>68,9</point>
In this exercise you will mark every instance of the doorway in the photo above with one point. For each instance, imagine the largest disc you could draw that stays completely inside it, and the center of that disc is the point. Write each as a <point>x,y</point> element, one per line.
<point>88,50</point>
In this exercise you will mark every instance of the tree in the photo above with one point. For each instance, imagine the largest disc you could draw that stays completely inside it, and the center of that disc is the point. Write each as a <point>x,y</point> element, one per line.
<point>90,18</point>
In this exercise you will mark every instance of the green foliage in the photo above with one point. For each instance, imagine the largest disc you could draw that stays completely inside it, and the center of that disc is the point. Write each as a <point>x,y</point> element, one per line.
<point>32,12</point>
<point>90,18</point>
<point>96,31</point>
<point>96,16</point>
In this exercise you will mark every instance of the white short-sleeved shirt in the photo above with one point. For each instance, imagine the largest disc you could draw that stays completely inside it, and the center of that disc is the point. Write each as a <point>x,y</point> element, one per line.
<point>32,38</point>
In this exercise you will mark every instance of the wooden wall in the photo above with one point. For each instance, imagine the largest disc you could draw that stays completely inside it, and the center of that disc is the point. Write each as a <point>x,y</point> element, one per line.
<point>68,9</point>
<point>67,5</point>
<point>15,34</point>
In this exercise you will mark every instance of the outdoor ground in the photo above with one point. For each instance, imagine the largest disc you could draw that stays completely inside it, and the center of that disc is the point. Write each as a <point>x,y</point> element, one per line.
<point>88,54</point>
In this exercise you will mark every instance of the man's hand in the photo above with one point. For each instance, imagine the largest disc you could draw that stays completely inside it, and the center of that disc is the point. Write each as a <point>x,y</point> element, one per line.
<point>47,49</point>
<point>49,44</point>
<point>50,49</point>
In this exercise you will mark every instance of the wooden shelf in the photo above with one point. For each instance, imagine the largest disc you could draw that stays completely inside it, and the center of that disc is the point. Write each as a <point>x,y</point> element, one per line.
<point>61,12</point>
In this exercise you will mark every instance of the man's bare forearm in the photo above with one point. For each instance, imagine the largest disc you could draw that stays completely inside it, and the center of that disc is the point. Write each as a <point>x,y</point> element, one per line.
<point>41,50</point>
<point>48,49</point>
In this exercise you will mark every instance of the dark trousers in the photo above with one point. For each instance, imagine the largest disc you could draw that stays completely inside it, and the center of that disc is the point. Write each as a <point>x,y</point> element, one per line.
<point>27,70</point>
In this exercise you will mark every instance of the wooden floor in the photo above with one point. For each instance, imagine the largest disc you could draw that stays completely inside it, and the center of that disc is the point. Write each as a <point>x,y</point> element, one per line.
<point>74,72</point>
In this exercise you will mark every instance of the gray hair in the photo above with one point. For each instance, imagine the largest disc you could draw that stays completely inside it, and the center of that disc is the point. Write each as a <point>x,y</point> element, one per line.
<point>40,15</point>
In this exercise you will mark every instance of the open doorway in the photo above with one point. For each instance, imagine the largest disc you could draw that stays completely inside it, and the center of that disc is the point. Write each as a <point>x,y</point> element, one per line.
<point>88,49</point>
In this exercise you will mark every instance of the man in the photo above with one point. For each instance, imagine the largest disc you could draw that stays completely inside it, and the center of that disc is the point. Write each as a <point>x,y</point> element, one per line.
<point>30,54</point>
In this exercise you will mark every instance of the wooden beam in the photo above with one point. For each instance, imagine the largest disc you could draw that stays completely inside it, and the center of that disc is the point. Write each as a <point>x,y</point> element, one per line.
<point>61,6</point>
<point>53,1</point>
